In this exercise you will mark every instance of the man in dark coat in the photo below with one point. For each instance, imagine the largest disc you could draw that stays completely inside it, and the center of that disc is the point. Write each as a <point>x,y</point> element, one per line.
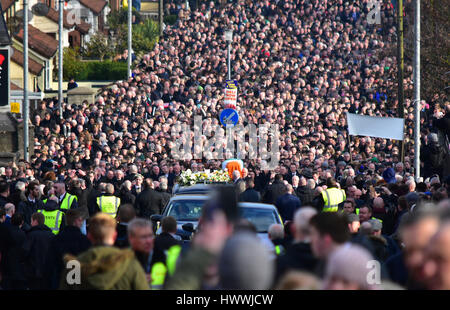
<point>69,241</point>
<point>305,192</point>
<point>4,193</point>
<point>35,251</point>
<point>274,191</point>
<point>125,215</point>
<point>32,204</point>
<point>163,191</point>
<point>298,255</point>
<point>250,194</point>
<point>432,155</point>
<point>287,204</point>
<point>13,273</point>
<point>149,201</point>
<point>125,195</point>
<point>165,240</point>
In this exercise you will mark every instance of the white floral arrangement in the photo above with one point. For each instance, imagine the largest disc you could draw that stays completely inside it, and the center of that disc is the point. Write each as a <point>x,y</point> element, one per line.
<point>190,178</point>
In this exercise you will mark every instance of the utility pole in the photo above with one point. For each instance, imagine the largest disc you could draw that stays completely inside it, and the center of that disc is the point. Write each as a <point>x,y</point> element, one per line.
<point>60,58</point>
<point>161,17</point>
<point>400,60</point>
<point>130,35</point>
<point>26,104</point>
<point>417,91</point>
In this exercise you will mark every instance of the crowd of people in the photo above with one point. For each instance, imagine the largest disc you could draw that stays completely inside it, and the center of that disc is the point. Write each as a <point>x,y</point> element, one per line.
<point>298,63</point>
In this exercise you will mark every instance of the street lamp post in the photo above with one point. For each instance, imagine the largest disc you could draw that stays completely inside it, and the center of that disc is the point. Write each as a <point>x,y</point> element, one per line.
<point>60,58</point>
<point>26,104</point>
<point>229,39</point>
<point>130,39</point>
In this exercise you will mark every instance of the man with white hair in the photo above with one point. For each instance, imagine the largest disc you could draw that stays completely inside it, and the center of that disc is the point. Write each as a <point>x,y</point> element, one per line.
<point>298,255</point>
<point>10,209</point>
<point>276,235</point>
<point>411,185</point>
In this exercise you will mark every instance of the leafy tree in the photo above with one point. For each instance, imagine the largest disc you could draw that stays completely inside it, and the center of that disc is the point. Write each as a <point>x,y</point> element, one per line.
<point>98,47</point>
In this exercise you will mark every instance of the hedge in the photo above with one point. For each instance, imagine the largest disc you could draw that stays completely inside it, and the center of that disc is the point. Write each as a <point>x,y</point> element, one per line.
<point>96,71</point>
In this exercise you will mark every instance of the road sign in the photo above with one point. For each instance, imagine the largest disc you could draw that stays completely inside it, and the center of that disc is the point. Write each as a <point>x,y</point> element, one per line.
<point>15,107</point>
<point>229,117</point>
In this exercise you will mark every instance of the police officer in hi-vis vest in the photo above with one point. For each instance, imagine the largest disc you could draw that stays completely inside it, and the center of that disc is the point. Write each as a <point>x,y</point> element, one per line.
<point>66,200</point>
<point>108,203</point>
<point>330,198</point>
<point>54,218</point>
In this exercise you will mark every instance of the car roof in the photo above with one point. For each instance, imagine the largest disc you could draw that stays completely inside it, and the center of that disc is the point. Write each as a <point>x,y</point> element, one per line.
<point>256,205</point>
<point>241,204</point>
<point>190,197</point>
<point>197,188</point>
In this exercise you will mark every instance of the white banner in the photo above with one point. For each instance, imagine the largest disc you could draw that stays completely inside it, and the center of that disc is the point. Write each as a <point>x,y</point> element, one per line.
<point>379,127</point>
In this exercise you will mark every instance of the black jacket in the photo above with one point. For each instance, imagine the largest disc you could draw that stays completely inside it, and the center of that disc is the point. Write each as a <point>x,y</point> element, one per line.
<point>35,251</point>
<point>163,242</point>
<point>3,201</point>
<point>273,192</point>
<point>149,202</point>
<point>432,156</point>
<point>250,195</point>
<point>127,197</point>
<point>165,197</point>
<point>82,196</point>
<point>122,236</point>
<point>13,260</point>
<point>27,208</point>
<point>298,256</point>
<point>306,195</point>
<point>69,241</point>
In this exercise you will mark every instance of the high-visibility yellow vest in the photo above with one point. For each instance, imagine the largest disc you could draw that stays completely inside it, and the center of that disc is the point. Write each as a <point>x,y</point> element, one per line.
<point>160,270</point>
<point>125,4</point>
<point>332,197</point>
<point>158,275</point>
<point>171,258</point>
<point>279,249</point>
<point>53,219</point>
<point>67,201</point>
<point>109,204</point>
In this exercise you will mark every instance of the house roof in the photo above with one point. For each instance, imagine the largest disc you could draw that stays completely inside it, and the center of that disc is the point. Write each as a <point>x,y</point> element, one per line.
<point>6,4</point>
<point>15,87</point>
<point>95,6</point>
<point>39,41</point>
<point>33,66</point>
<point>83,27</point>
<point>54,16</point>
<point>5,39</point>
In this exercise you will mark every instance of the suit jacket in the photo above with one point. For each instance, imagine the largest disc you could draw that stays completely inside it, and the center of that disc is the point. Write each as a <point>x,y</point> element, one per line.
<point>27,208</point>
<point>35,251</point>
<point>149,202</point>
<point>287,205</point>
<point>273,192</point>
<point>250,195</point>
<point>163,242</point>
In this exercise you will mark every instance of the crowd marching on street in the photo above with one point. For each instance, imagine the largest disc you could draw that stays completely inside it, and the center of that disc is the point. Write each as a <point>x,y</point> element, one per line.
<point>98,173</point>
